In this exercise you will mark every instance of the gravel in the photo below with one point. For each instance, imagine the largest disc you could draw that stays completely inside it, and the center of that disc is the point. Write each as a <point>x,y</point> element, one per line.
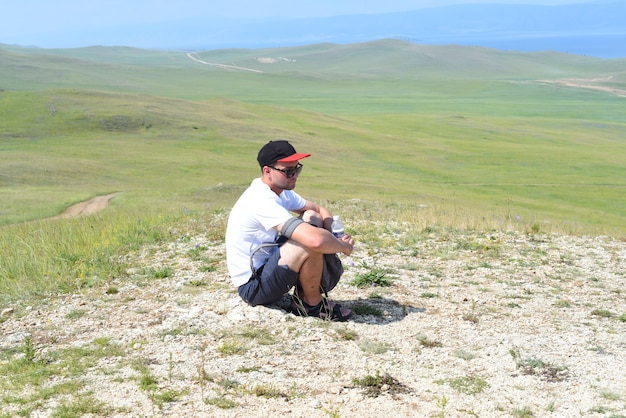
<point>474,324</point>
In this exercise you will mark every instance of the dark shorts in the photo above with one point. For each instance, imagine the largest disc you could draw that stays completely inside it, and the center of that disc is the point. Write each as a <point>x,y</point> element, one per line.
<point>272,283</point>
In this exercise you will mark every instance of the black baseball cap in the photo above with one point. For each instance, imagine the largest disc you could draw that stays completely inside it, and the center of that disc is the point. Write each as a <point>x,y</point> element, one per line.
<point>278,151</point>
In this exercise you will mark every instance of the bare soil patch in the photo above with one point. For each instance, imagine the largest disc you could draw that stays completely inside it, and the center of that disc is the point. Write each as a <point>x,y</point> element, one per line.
<point>87,207</point>
<point>587,83</point>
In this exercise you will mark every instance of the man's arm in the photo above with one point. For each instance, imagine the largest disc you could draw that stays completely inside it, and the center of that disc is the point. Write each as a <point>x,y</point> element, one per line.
<point>321,240</point>
<point>327,217</point>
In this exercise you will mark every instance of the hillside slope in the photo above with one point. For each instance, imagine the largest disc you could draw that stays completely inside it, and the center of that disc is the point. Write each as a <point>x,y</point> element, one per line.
<point>481,324</point>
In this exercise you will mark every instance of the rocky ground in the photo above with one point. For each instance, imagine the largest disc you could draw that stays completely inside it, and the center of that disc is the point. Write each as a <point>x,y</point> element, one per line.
<point>473,324</point>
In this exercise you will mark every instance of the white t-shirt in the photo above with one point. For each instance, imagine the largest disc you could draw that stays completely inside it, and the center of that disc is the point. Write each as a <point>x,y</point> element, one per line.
<point>252,222</point>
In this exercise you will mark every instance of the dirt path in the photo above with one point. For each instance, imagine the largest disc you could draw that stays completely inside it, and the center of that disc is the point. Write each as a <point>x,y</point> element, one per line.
<point>88,207</point>
<point>193,56</point>
<point>586,84</point>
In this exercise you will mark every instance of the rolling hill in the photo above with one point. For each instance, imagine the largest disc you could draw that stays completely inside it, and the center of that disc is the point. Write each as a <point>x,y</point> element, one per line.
<point>540,134</point>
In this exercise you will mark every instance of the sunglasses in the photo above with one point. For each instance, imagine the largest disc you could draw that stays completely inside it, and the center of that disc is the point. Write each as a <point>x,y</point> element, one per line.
<point>290,172</point>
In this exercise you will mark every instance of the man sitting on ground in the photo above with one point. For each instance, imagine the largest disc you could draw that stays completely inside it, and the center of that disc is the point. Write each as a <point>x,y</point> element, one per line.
<point>295,258</point>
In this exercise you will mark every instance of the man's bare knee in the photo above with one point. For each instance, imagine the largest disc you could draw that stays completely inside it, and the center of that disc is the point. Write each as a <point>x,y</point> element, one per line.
<point>312,217</point>
<point>293,255</point>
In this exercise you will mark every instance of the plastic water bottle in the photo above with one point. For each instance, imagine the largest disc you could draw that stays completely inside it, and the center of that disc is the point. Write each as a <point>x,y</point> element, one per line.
<point>337,227</point>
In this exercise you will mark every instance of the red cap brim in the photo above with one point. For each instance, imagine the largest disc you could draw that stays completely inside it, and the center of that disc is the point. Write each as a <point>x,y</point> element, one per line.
<point>293,157</point>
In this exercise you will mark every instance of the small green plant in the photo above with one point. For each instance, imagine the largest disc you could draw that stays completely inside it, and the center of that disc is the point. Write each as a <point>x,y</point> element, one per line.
<point>602,313</point>
<point>162,273</point>
<point>441,404</point>
<point>197,283</point>
<point>524,412</point>
<point>463,354</point>
<point>262,336</point>
<point>374,347</point>
<point>373,385</point>
<point>562,303</point>
<point>622,317</point>
<point>428,343</point>
<point>166,396</point>
<point>232,347</point>
<point>147,381</point>
<point>29,350</point>
<point>247,369</point>
<point>429,295</point>
<point>332,413</point>
<point>197,252</point>
<point>268,391</point>
<point>366,309</point>
<point>374,277</point>
<point>229,384</point>
<point>221,402</point>
<point>76,313</point>
<point>611,396</point>
<point>471,317</point>
<point>469,385</point>
<point>85,404</point>
<point>346,334</point>
<point>546,371</point>
<point>601,409</point>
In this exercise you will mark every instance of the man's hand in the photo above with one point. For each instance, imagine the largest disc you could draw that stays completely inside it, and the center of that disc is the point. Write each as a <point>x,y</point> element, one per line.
<point>347,239</point>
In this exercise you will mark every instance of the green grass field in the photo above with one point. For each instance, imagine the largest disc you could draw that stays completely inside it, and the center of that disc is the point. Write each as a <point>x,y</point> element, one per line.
<point>447,135</point>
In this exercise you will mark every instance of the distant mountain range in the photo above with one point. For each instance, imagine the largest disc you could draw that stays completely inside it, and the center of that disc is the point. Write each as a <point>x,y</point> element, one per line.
<point>595,29</point>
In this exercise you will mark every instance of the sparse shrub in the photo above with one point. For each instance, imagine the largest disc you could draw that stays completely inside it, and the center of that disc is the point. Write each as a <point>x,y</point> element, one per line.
<point>562,304</point>
<point>167,395</point>
<point>76,313</point>
<point>247,369</point>
<point>374,347</point>
<point>268,391</point>
<point>611,396</point>
<point>262,336</point>
<point>197,252</point>
<point>374,385</point>
<point>374,277</point>
<point>148,382</point>
<point>490,249</point>
<point>197,283</point>
<point>469,385</point>
<point>346,334</point>
<point>221,402</point>
<point>29,350</point>
<point>602,313</point>
<point>471,317</point>
<point>428,343</point>
<point>524,412</point>
<point>463,354</point>
<point>85,404</point>
<point>232,347</point>
<point>162,273</point>
<point>546,371</point>
<point>229,384</point>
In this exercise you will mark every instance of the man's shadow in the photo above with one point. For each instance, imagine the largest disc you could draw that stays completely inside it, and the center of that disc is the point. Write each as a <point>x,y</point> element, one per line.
<point>373,310</point>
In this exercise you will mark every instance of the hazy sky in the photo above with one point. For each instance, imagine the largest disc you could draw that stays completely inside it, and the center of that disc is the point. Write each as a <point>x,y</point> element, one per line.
<point>30,17</point>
